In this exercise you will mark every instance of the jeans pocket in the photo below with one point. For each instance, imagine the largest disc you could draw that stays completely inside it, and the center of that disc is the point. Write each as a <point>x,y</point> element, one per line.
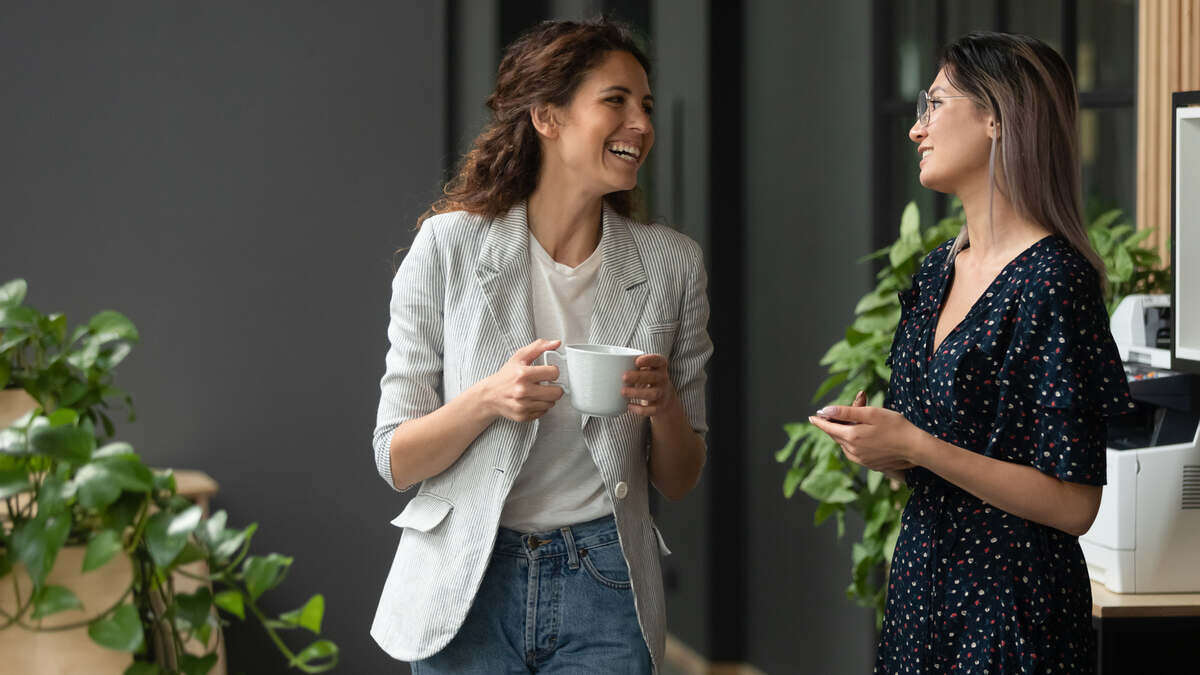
<point>606,564</point>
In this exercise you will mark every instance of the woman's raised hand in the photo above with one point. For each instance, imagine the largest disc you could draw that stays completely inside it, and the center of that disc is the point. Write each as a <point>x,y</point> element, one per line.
<point>516,391</point>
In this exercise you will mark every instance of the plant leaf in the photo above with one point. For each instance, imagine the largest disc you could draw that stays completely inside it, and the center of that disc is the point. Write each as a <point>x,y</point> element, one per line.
<point>63,417</point>
<point>309,616</point>
<point>114,450</point>
<point>142,668</point>
<point>120,514</point>
<point>67,443</point>
<point>36,543</point>
<point>100,549</point>
<point>227,548</point>
<point>167,533</point>
<point>794,476</point>
<point>12,293</point>
<point>829,486</point>
<point>197,665</point>
<point>53,599</point>
<point>321,649</point>
<point>17,317</point>
<point>824,510</point>
<point>109,357</point>
<point>12,337</point>
<point>100,482</point>
<point>14,481</point>
<point>264,573</point>
<point>165,481</point>
<point>194,608</point>
<point>874,479</point>
<point>828,386</point>
<point>231,601</point>
<point>121,632</point>
<point>109,325</point>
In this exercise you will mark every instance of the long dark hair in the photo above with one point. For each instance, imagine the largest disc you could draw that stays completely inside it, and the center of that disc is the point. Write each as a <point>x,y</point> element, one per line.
<point>544,66</point>
<point>1029,89</point>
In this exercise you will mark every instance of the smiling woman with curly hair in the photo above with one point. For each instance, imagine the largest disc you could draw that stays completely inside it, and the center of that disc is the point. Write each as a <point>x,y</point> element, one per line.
<point>529,545</point>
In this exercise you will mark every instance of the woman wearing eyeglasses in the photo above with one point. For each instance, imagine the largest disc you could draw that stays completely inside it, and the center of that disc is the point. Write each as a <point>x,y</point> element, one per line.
<point>1003,374</point>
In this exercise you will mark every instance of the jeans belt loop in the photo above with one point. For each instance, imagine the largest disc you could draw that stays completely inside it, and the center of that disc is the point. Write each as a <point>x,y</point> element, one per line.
<point>572,554</point>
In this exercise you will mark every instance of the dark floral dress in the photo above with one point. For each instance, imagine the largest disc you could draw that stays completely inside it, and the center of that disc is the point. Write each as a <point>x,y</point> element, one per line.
<point>1029,376</point>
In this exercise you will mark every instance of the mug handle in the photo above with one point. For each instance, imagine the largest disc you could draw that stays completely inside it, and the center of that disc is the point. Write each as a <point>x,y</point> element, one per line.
<point>562,381</point>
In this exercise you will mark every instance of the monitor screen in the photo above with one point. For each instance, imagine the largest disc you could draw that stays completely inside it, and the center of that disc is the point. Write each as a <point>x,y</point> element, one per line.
<point>1185,232</point>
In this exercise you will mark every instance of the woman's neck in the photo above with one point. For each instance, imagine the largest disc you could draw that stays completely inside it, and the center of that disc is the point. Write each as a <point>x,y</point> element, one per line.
<point>565,221</point>
<point>995,230</point>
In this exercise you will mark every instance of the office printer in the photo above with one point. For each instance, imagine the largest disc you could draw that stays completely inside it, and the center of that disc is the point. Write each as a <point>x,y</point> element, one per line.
<point>1146,538</point>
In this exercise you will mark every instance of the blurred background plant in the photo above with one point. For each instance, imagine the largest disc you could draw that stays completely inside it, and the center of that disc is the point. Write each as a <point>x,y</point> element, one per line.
<point>65,481</point>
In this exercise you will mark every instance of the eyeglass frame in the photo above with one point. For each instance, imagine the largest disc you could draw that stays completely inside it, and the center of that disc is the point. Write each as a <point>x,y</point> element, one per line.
<point>923,100</point>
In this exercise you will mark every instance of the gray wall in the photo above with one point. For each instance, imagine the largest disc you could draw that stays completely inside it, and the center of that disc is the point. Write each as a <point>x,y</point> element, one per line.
<point>807,219</point>
<point>235,177</point>
<point>678,195</point>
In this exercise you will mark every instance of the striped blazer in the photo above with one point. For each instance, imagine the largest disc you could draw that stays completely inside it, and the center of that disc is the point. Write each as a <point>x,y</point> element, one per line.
<point>460,308</point>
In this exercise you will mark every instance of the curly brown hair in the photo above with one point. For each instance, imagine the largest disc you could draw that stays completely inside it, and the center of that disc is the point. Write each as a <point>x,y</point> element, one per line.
<point>544,66</point>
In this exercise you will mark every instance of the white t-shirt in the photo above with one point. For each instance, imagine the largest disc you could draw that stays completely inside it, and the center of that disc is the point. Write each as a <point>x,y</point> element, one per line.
<point>558,484</point>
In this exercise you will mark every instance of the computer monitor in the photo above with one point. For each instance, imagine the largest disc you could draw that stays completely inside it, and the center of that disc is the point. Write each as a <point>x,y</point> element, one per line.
<point>1185,231</point>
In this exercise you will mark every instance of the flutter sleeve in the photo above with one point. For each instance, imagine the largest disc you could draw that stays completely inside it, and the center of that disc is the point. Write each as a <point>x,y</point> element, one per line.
<point>1064,376</point>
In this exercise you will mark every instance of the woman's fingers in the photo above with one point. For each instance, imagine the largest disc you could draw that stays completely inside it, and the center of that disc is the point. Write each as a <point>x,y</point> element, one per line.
<point>543,392</point>
<point>530,410</point>
<point>836,431</point>
<point>538,374</point>
<point>530,352</point>
<point>637,408</point>
<point>651,395</point>
<point>651,361</point>
<point>641,378</point>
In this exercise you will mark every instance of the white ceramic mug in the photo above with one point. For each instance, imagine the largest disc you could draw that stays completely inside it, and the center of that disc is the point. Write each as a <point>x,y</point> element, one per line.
<point>592,376</point>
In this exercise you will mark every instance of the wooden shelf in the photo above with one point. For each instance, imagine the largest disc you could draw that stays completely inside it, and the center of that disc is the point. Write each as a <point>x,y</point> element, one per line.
<point>1109,605</point>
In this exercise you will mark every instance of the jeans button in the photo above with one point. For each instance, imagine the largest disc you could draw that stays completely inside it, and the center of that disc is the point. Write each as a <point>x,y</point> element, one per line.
<point>621,490</point>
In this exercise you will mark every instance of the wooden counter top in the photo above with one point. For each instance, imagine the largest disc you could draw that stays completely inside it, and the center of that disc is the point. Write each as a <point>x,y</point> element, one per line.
<point>1109,605</point>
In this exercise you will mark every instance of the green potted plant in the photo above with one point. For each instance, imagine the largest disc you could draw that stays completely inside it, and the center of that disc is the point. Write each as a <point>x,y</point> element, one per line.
<point>858,363</point>
<point>66,482</point>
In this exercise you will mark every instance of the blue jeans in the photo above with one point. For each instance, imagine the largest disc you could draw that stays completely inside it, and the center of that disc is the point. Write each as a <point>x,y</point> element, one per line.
<point>550,602</point>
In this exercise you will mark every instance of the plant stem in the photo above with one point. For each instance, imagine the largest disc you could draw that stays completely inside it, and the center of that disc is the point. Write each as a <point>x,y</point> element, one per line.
<point>270,631</point>
<point>141,520</point>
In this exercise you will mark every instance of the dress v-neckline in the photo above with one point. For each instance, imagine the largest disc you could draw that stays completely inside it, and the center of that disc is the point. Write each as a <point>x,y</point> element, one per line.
<point>948,280</point>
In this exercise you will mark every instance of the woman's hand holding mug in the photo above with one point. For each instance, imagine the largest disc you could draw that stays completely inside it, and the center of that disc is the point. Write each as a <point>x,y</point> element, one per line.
<point>516,391</point>
<point>649,387</point>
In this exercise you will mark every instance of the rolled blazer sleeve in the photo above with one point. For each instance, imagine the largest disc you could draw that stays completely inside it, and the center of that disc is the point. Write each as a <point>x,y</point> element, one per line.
<point>412,386</point>
<point>693,347</point>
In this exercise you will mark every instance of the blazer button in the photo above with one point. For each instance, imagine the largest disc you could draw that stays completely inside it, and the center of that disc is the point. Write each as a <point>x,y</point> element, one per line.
<point>621,490</point>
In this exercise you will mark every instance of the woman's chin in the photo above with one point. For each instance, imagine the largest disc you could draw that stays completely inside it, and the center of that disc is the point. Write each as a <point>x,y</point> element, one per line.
<point>622,185</point>
<point>931,182</point>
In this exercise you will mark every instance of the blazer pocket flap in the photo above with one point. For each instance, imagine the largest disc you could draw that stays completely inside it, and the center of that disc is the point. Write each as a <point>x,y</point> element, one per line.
<point>664,327</point>
<point>423,513</point>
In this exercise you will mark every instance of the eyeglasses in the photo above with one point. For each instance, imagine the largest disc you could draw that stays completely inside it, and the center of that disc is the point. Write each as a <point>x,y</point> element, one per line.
<point>924,107</point>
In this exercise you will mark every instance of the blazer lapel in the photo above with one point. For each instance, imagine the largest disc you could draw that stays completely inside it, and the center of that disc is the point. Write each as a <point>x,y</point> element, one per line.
<point>503,274</point>
<point>621,290</point>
